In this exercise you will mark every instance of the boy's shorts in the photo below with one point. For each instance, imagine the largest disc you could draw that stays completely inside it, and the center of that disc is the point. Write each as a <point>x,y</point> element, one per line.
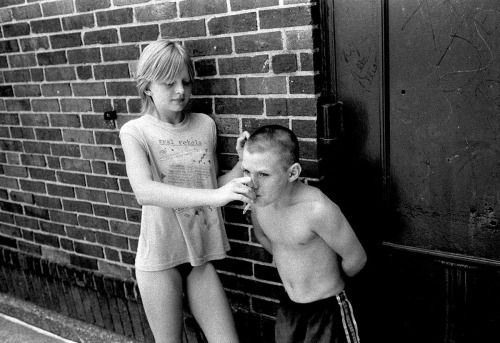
<point>324,321</point>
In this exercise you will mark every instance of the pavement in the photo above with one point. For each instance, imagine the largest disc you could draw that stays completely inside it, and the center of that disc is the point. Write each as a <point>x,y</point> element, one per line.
<point>13,330</point>
<point>25,322</point>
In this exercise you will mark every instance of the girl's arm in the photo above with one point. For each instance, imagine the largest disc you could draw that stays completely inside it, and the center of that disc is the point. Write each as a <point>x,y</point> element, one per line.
<point>150,192</point>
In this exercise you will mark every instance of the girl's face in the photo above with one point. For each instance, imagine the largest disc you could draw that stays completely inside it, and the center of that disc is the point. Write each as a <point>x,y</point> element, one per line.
<point>171,98</point>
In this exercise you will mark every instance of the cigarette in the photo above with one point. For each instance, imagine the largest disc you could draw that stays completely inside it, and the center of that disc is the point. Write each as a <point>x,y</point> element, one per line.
<point>246,208</point>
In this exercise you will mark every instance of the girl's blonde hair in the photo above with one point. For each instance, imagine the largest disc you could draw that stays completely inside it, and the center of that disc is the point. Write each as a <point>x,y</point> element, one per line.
<point>162,60</point>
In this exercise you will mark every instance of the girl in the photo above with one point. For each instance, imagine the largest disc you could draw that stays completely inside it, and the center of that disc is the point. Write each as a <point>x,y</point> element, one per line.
<point>171,164</point>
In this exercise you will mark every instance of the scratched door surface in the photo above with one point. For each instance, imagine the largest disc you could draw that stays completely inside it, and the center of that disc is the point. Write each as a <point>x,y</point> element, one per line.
<point>420,85</point>
<point>444,119</point>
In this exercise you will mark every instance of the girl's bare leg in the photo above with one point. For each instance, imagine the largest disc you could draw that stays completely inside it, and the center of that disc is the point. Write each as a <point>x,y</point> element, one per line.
<point>161,294</point>
<point>209,305</point>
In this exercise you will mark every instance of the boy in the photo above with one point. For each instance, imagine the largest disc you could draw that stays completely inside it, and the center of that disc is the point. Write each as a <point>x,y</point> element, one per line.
<point>313,245</point>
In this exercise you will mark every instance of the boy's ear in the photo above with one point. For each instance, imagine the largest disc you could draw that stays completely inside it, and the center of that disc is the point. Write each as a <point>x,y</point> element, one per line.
<point>294,172</point>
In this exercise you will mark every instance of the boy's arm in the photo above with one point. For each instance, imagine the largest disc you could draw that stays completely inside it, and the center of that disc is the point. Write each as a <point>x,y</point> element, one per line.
<point>259,233</point>
<point>151,192</point>
<point>332,226</point>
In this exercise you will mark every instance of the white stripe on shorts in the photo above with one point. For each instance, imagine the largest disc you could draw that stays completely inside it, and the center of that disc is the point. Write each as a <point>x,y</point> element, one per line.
<point>350,326</point>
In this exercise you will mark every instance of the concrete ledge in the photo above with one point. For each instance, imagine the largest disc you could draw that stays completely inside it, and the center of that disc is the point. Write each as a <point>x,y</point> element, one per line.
<point>57,323</point>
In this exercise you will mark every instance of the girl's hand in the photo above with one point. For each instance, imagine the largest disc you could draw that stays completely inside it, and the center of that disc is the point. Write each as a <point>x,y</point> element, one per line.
<point>236,189</point>
<point>240,143</point>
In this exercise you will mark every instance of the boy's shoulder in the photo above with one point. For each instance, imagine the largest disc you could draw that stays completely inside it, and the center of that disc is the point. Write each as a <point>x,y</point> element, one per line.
<point>314,200</point>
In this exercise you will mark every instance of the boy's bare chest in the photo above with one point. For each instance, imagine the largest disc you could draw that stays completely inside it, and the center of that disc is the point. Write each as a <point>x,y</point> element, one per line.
<point>287,227</point>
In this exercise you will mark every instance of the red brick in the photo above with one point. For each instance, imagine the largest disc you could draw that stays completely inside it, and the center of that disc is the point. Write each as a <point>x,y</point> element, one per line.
<point>91,5</point>
<point>205,67</point>
<point>56,89</point>
<point>18,29</point>
<point>200,105</point>
<point>78,22</point>
<point>60,74</point>
<point>48,134</point>
<point>215,86</point>
<point>263,85</point>
<point>244,65</point>
<point>258,42</point>
<point>88,249</point>
<point>112,240</point>
<point>285,63</point>
<point>78,136</point>
<point>34,119</point>
<point>93,222</point>
<point>27,12</point>
<point>76,165</point>
<point>32,186</point>
<point>157,12</point>
<point>77,206</point>
<point>42,174</point>
<point>97,152</point>
<point>76,105</point>
<point>108,36</point>
<point>65,150</point>
<point>64,120</point>
<point>54,228</point>
<point>89,89</point>
<point>121,88</point>
<point>22,197</point>
<point>33,160</point>
<point>139,33</point>
<point>302,107</point>
<point>60,191</point>
<point>111,71</point>
<point>127,229</point>
<point>183,29</point>
<point>208,47</point>
<point>121,53</point>
<point>57,8</point>
<point>46,239</point>
<point>29,223</point>
<point>251,124</point>
<point>6,91</point>
<point>51,58</point>
<point>9,119</point>
<point>34,43</point>
<point>304,128</point>
<point>194,8</point>
<point>307,61</point>
<point>102,182</point>
<point>18,75</point>
<point>36,148</point>
<point>37,75</point>
<point>83,262</point>
<point>104,137</point>
<point>68,40</point>
<point>45,105</point>
<point>301,39</point>
<point>24,60</point>
<point>93,121</point>
<point>253,106</point>
<point>27,91</point>
<point>8,46</point>
<point>64,217</point>
<point>81,234</point>
<point>234,23</point>
<point>91,194</point>
<point>15,171</point>
<point>303,85</point>
<point>114,17</point>
<point>46,25</point>
<point>5,15</point>
<point>238,5</point>
<point>285,17</point>
<point>84,72</point>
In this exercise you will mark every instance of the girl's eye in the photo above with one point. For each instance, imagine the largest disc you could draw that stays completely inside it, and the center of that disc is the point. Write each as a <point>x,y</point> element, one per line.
<point>263,174</point>
<point>246,172</point>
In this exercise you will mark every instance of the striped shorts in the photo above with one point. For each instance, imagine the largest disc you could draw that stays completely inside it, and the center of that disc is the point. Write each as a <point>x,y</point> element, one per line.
<point>329,320</point>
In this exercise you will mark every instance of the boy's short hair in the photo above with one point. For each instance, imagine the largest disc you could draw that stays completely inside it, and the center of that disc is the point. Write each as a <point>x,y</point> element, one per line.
<point>277,138</point>
<point>162,61</point>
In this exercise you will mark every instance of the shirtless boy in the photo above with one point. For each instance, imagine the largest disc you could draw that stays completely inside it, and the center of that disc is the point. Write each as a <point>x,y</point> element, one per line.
<point>313,246</point>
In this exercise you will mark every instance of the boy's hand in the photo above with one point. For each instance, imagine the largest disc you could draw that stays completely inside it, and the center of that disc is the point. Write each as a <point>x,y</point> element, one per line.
<point>240,143</point>
<point>235,189</point>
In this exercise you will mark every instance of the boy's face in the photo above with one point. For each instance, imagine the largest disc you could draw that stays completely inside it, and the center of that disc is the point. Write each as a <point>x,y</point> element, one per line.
<point>269,175</point>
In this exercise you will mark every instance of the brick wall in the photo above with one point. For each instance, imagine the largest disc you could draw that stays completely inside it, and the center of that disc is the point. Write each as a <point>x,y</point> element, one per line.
<point>64,193</point>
